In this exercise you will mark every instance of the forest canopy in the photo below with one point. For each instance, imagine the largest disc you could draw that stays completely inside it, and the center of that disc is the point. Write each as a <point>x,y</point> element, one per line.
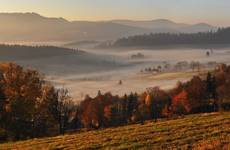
<point>221,36</point>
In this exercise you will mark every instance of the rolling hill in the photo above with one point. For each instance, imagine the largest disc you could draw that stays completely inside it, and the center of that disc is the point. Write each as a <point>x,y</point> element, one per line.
<point>53,60</point>
<point>199,131</point>
<point>32,27</point>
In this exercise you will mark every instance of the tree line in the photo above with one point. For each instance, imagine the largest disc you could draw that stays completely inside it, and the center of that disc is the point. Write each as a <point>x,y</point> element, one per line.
<point>31,107</point>
<point>12,52</point>
<point>221,36</point>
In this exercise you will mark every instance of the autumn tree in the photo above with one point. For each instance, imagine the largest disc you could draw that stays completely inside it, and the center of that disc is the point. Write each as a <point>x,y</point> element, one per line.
<point>124,108</point>
<point>143,112</point>
<point>92,110</point>
<point>156,100</point>
<point>222,78</point>
<point>60,105</point>
<point>43,120</point>
<point>131,104</point>
<point>181,104</point>
<point>197,96</point>
<point>29,102</point>
<point>211,86</point>
<point>22,89</point>
<point>2,98</point>
<point>223,94</point>
<point>3,133</point>
<point>85,112</point>
<point>112,115</point>
<point>167,111</point>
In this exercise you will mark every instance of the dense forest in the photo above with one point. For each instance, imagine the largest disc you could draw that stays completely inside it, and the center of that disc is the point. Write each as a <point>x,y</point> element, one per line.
<point>31,107</point>
<point>22,51</point>
<point>221,36</point>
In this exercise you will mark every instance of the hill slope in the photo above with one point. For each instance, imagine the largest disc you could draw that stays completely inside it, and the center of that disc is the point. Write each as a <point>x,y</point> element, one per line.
<point>32,27</point>
<point>57,61</point>
<point>194,131</point>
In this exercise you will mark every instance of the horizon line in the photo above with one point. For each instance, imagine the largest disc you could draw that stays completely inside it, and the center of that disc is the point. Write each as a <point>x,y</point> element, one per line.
<point>110,20</point>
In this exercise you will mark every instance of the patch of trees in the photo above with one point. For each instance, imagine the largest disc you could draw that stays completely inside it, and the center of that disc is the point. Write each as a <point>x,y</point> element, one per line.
<point>137,56</point>
<point>179,66</point>
<point>221,36</point>
<point>29,106</point>
<point>30,52</point>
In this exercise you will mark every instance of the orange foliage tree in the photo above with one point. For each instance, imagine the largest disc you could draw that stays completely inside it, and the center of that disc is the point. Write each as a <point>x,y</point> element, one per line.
<point>181,104</point>
<point>197,92</point>
<point>29,102</point>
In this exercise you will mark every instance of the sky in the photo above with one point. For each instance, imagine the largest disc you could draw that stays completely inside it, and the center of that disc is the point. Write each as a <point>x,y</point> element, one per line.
<point>215,12</point>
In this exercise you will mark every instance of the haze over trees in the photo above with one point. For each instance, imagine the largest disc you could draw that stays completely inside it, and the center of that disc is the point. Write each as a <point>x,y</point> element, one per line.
<point>22,52</point>
<point>221,36</point>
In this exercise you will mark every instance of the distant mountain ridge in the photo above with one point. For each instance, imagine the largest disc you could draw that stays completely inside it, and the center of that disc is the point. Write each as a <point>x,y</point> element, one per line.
<point>164,25</point>
<point>34,27</point>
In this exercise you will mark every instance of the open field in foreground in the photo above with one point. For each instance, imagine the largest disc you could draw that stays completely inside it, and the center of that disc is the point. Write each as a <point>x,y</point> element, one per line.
<point>200,131</point>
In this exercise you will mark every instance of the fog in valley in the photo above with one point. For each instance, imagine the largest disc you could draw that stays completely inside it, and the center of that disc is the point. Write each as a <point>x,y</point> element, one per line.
<point>102,70</point>
<point>118,71</point>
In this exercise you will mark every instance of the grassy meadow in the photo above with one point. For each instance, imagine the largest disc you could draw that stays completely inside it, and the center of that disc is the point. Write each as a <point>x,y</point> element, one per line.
<point>198,131</point>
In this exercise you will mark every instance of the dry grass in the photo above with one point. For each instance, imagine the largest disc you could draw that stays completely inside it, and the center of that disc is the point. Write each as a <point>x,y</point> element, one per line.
<point>200,131</point>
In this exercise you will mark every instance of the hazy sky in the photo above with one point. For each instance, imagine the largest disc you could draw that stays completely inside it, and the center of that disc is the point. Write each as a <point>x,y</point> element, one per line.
<point>215,12</point>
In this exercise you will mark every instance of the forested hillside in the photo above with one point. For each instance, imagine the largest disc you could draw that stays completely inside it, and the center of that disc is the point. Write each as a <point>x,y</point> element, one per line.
<point>222,36</point>
<point>33,52</point>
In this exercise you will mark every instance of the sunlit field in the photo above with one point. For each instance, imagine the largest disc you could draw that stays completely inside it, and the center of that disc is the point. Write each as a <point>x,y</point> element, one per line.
<point>199,131</point>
